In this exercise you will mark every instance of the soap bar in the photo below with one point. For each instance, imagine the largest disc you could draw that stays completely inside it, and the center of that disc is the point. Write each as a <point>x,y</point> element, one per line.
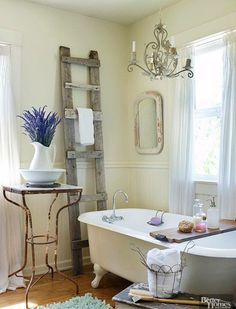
<point>155,221</point>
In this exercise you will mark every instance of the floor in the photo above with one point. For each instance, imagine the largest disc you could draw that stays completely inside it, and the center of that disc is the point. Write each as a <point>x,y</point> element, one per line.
<point>49,291</point>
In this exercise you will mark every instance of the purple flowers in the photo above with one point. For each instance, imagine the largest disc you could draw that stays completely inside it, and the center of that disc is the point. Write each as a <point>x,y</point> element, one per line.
<point>40,127</point>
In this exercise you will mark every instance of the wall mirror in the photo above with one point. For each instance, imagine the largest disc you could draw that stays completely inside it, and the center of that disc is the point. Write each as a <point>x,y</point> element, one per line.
<point>149,127</point>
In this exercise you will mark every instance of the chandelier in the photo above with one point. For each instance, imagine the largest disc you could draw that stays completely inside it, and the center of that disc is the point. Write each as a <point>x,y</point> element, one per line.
<point>160,58</point>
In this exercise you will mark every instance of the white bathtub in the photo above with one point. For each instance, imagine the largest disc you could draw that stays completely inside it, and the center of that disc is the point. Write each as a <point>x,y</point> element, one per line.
<point>211,264</point>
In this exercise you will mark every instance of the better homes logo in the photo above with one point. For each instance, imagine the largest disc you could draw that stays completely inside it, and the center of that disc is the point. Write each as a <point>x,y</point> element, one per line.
<point>213,302</point>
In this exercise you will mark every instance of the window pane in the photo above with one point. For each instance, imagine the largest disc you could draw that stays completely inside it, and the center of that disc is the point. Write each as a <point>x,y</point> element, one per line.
<point>206,146</point>
<point>208,71</point>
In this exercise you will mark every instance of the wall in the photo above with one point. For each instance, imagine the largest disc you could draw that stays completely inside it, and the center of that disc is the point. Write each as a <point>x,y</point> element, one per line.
<point>43,30</point>
<point>187,21</point>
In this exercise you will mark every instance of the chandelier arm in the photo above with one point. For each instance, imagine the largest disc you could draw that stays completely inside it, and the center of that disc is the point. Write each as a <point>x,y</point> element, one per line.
<point>190,73</point>
<point>130,68</point>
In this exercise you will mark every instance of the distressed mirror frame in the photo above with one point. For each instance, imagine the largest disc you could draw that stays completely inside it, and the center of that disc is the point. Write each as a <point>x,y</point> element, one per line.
<point>159,123</point>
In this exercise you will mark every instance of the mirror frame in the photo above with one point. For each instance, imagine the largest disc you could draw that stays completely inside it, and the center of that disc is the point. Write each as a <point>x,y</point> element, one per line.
<point>156,96</point>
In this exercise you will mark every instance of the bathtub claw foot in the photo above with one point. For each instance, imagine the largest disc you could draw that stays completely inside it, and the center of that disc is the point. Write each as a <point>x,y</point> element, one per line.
<point>99,273</point>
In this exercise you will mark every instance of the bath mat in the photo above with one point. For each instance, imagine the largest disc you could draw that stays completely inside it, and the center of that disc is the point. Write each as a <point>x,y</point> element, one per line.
<point>79,302</point>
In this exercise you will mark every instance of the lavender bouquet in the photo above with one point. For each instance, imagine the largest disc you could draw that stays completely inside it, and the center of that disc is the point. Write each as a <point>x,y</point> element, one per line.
<point>39,126</point>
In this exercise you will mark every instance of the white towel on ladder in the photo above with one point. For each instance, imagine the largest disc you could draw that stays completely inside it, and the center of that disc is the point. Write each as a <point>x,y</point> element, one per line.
<point>84,130</point>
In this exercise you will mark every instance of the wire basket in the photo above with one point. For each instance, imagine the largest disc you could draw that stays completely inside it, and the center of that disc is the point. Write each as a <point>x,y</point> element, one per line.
<point>164,281</point>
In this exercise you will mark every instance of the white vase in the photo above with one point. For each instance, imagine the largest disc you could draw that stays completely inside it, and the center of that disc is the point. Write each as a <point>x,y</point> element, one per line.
<point>213,218</point>
<point>43,157</point>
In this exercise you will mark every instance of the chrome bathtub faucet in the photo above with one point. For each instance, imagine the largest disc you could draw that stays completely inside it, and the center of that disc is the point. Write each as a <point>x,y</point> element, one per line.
<point>114,217</point>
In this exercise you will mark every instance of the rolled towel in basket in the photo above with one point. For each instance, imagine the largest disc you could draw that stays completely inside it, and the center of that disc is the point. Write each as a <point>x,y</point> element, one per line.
<point>164,278</point>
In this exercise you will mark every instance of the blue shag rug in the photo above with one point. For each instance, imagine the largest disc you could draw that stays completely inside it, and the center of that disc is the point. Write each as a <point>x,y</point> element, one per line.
<point>79,302</point>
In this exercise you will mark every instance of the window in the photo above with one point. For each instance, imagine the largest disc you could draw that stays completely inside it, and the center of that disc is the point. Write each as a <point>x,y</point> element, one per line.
<point>208,70</point>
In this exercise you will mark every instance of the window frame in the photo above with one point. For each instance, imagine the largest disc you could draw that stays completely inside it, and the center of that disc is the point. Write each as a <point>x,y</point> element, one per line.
<point>206,112</point>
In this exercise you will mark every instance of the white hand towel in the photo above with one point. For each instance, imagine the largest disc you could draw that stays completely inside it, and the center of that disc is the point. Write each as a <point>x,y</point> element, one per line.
<point>84,130</point>
<point>163,283</point>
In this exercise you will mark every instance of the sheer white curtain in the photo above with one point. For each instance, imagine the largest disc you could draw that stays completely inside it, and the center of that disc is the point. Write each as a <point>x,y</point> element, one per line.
<point>227,171</point>
<point>10,231</point>
<point>181,187</point>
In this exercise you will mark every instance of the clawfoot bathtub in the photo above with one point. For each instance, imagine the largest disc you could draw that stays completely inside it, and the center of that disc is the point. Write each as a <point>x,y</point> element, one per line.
<point>211,263</point>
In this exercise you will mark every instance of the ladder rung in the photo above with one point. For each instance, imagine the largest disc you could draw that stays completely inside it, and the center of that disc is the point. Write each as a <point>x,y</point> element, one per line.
<point>82,86</point>
<point>81,61</point>
<point>94,197</point>
<point>89,154</point>
<point>78,244</point>
<point>72,154</point>
<point>73,114</point>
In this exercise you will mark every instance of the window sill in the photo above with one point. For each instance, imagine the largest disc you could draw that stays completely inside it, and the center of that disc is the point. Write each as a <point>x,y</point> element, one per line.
<point>207,182</point>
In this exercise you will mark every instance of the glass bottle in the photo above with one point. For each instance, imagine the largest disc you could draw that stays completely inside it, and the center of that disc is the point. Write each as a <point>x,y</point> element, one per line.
<point>196,212</point>
<point>213,218</point>
<point>202,226</point>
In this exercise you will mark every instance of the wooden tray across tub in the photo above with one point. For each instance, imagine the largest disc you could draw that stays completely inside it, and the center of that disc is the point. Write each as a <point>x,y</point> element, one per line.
<point>173,235</point>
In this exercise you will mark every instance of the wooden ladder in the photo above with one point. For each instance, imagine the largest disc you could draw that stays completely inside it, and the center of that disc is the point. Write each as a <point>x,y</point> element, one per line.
<point>71,155</point>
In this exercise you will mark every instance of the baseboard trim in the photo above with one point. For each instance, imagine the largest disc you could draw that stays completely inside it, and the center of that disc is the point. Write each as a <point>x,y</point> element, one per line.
<point>62,265</point>
<point>126,165</point>
<point>116,164</point>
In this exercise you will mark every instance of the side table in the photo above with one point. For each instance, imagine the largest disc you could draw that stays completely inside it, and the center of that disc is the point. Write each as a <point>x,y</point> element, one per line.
<point>42,239</point>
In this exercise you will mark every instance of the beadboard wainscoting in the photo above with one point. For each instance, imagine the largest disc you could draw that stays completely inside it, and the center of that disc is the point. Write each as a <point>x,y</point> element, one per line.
<point>146,183</point>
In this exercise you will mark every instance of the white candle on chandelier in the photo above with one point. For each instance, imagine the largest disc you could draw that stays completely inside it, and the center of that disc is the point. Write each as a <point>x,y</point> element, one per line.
<point>133,47</point>
<point>133,53</point>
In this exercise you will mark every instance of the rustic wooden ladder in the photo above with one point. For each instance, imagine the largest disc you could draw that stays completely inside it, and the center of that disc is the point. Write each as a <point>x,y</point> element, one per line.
<point>71,155</point>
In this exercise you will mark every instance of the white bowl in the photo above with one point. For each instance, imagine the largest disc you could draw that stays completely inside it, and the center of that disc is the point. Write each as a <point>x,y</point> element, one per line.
<point>42,176</point>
